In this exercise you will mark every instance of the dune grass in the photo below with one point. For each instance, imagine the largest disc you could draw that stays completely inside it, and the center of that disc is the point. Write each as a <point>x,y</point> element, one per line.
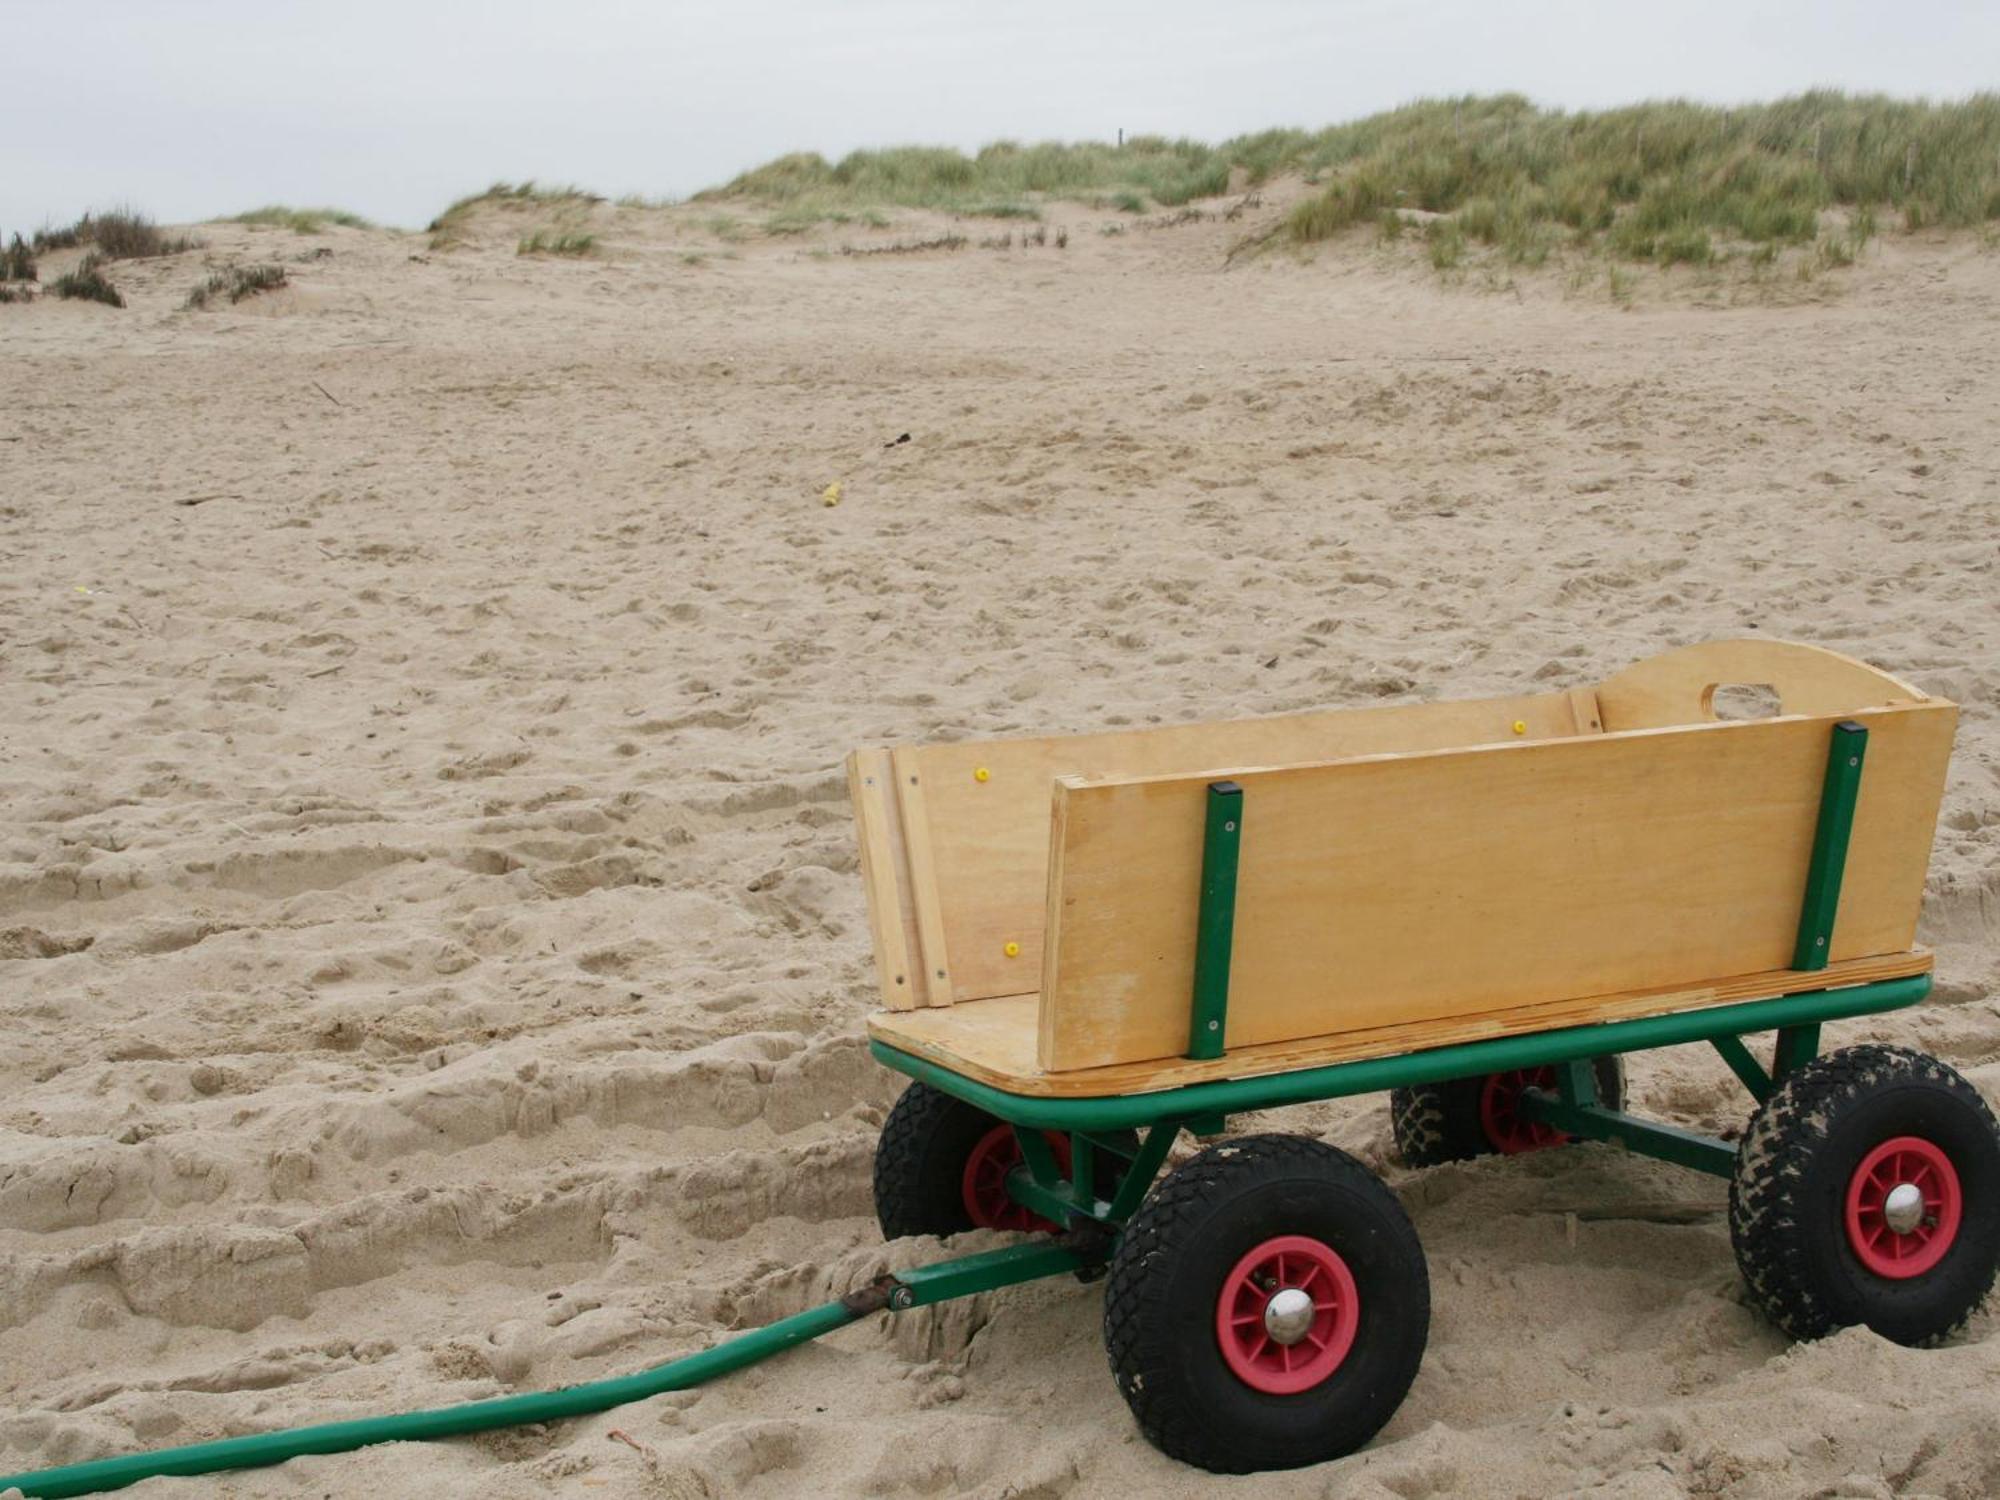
<point>1670,182</point>
<point>1001,181</point>
<point>448,229</point>
<point>556,242</point>
<point>301,220</point>
<point>86,283</point>
<point>119,234</point>
<point>236,283</point>
<point>17,261</point>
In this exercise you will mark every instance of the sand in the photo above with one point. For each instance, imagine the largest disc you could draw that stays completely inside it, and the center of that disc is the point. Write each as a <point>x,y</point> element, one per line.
<point>432,959</point>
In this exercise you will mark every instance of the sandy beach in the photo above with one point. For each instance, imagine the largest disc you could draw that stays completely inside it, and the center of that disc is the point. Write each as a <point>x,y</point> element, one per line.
<point>432,955</point>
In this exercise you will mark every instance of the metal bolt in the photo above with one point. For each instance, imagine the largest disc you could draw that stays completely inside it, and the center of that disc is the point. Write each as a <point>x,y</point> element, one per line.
<point>1212,1025</point>
<point>1903,1209</point>
<point>1819,942</point>
<point>1229,828</point>
<point>1288,1316</point>
<point>1854,760</point>
<point>902,1299</point>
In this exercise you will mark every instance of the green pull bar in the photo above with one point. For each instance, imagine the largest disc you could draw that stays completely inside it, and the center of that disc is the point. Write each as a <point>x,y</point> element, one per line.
<point>1839,793</point>
<point>1215,920</point>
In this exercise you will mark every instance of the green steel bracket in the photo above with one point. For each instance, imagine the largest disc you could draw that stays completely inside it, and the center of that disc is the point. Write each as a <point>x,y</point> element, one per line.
<point>1646,1137</point>
<point>985,1272</point>
<point>1531,1049</point>
<point>1743,1065</point>
<point>1838,794</point>
<point>1059,1205</point>
<point>1215,920</point>
<point>1796,1046</point>
<point>1040,1157</point>
<point>1576,1082</point>
<point>1145,1167</point>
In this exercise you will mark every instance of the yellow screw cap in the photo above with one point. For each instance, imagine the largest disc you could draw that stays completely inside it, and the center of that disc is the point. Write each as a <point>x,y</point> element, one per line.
<point>1013,950</point>
<point>1520,726</point>
<point>982,774</point>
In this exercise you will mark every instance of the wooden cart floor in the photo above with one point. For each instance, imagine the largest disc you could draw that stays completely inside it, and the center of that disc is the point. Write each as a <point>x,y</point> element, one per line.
<point>993,1041</point>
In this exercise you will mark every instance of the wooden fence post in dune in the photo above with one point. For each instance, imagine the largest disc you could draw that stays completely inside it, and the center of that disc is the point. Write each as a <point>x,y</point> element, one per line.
<point>1909,164</point>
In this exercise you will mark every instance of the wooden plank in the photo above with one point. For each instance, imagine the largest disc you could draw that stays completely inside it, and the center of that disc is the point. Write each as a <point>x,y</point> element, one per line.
<point>1678,687</point>
<point>892,923</point>
<point>993,1041</point>
<point>988,838</point>
<point>1422,887</point>
<point>920,859</point>
<point>1583,708</point>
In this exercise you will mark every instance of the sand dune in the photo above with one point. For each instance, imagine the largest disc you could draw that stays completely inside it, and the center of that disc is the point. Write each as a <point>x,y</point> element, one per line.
<point>431,953</point>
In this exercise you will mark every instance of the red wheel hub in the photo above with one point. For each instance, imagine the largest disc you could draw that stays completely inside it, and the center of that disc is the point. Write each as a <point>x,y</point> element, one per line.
<point>984,1182</point>
<point>1508,1131</point>
<point>1903,1208</point>
<point>1287,1314</point>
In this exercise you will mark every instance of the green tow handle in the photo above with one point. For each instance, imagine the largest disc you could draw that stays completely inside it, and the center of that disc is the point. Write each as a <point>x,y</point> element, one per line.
<point>895,1293</point>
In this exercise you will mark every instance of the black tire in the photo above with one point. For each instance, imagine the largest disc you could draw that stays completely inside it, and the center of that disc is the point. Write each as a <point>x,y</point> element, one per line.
<point>1171,1268</point>
<point>920,1163</point>
<point>1788,1200</point>
<point>1439,1122</point>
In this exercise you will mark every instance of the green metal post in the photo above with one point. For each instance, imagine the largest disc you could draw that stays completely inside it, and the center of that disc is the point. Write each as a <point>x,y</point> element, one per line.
<point>1797,1046</point>
<point>1145,1167</point>
<point>1040,1157</point>
<point>1743,1065</point>
<point>1838,794</point>
<point>1215,920</point>
<point>1576,1082</point>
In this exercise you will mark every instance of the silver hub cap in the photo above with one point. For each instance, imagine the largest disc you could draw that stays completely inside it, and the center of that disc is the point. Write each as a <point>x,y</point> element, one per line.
<point>1288,1316</point>
<point>1902,1211</point>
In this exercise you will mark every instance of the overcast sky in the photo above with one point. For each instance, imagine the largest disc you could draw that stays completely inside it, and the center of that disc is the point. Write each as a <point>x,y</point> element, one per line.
<point>193,108</point>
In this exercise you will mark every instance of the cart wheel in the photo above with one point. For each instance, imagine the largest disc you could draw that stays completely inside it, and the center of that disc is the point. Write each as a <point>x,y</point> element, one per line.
<point>1267,1307</point>
<point>941,1167</point>
<point>1467,1117</point>
<point>1867,1190</point>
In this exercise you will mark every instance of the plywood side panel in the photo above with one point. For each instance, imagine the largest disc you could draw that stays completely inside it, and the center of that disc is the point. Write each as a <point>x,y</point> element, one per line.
<point>993,1041</point>
<point>1676,687</point>
<point>892,918</point>
<point>1408,888</point>
<point>988,839</point>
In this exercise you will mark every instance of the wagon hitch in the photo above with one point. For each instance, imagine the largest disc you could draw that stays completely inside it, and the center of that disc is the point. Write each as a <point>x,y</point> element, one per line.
<point>898,1291</point>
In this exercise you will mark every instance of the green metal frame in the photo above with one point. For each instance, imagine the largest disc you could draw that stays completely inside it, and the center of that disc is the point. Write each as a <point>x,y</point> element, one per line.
<point>1202,1102</point>
<point>1202,1107</point>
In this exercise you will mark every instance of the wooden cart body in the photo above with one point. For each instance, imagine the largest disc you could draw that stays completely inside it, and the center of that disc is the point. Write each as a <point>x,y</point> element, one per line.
<point>1404,878</point>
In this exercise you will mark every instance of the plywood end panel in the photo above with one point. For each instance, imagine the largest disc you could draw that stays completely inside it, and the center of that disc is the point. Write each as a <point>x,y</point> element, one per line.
<point>1678,687</point>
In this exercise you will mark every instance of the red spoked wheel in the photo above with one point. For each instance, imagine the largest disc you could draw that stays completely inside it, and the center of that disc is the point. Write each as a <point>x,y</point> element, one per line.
<point>1508,1131</point>
<point>1904,1205</point>
<point>1286,1315</point>
<point>994,1155</point>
